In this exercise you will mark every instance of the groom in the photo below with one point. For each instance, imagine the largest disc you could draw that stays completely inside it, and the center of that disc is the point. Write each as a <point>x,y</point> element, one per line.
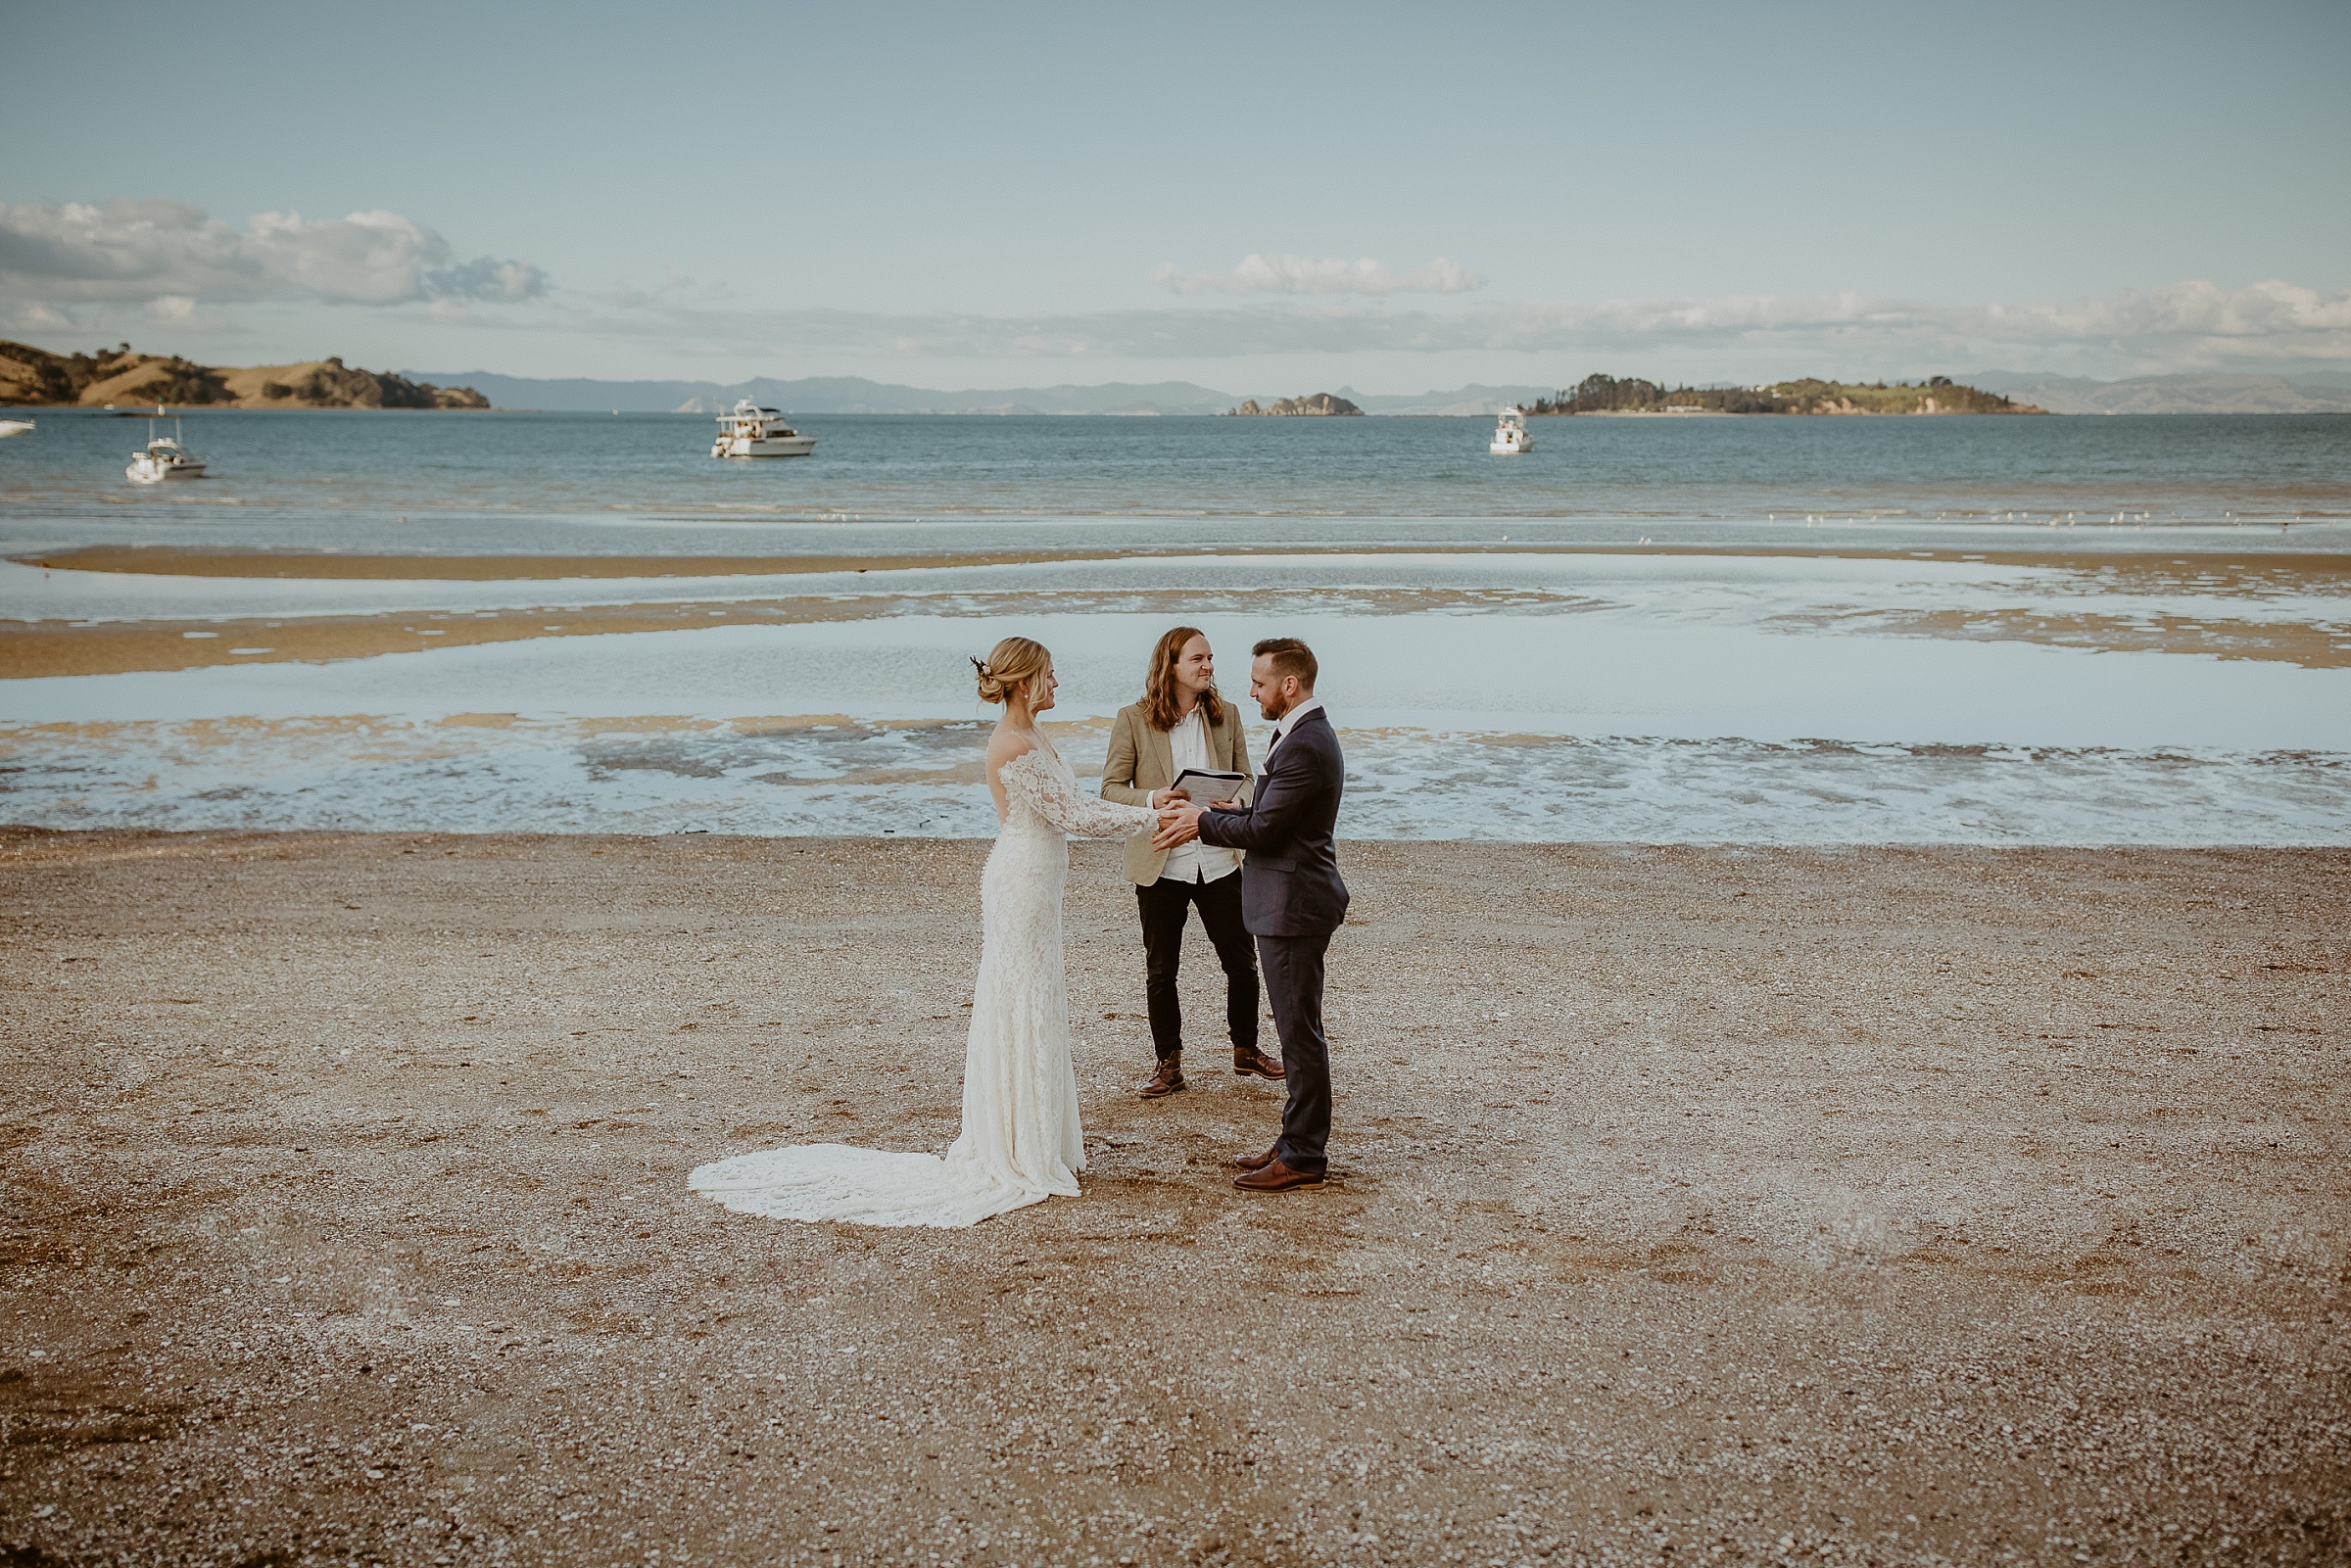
<point>1291,896</point>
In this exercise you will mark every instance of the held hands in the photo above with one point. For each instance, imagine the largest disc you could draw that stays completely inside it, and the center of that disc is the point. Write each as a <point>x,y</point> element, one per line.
<point>1177,824</point>
<point>1162,799</point>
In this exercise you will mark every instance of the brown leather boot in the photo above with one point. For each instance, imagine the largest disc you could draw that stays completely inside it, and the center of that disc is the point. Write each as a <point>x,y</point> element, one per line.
<point>1167,1080</point>
<point>1277,1177</point>
<point>1248,1059</point>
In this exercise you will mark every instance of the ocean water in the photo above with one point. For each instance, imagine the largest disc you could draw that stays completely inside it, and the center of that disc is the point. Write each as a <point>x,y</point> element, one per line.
<point>1984,631</point>
<point>636,482</point>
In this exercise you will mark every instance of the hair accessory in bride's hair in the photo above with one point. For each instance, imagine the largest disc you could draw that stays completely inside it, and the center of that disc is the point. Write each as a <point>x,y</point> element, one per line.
<point>1009,669</point>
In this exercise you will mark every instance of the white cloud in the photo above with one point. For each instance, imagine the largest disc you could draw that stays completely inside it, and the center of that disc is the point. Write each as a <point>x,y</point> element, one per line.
<point>489,279</point>
<point>31,315</point>
<point>131,251</point>
<point>2197,310</point>
<point>1310,274</point>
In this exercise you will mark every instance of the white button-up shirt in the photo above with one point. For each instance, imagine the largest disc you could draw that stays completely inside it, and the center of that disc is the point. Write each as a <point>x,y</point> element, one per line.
<point>1195,861</point>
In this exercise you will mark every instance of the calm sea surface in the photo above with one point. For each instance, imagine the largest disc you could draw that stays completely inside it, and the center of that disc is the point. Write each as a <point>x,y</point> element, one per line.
<point>1947,630</point>
<point>469,481</point>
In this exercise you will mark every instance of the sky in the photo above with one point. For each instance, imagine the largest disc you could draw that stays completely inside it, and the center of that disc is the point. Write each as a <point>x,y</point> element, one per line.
<point>1386,198</point>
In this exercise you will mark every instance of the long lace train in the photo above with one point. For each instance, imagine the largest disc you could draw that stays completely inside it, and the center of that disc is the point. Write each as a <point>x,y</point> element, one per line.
<point>1021,1141</point>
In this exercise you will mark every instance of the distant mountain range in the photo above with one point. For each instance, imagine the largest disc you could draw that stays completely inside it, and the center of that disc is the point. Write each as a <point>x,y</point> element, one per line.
<point>2303,392</point>
<point>842,395</point>
<point>1469,400</point>
<point>856,395</point>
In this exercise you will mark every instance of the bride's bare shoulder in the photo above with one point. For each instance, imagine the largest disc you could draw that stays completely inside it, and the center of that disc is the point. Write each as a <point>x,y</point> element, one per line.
<point>1007,744</point>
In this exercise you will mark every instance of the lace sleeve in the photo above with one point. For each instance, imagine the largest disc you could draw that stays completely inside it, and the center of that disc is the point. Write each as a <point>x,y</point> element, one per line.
<point>1040,785</point>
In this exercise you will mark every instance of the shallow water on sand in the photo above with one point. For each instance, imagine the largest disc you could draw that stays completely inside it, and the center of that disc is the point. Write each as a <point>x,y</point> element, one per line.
<point>1637,697</point>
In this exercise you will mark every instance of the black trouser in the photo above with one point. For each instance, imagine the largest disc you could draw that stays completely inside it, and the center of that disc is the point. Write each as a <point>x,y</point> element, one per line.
<point>1294,985</point>
<point>1163,905</point>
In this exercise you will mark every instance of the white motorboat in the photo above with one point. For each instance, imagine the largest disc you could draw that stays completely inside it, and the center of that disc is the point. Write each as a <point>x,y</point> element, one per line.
<point>1509,434</point>
<point>15,427</point>
<point>751,431</point>
<point>165,457</point>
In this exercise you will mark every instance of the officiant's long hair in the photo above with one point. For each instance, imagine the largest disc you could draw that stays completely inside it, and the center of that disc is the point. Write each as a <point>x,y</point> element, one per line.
<point>1159,686</point>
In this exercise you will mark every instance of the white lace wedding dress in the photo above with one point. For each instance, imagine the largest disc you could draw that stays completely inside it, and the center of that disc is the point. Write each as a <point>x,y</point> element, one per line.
<point>1021,1142</point>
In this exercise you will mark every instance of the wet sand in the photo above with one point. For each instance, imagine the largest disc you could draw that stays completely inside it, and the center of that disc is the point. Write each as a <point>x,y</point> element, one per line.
<point>35,648</point>
<point>1689,1206</point>
<point>2325,645</point>
<point>30,649</point>
<point>49,647</point>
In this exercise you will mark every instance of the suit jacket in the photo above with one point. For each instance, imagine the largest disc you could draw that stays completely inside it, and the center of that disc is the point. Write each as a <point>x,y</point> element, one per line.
<point>1143,760</point>
<point>1290,882</point>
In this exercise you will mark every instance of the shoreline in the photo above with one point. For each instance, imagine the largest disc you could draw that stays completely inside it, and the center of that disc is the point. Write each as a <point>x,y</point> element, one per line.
<point>2018,1174</point>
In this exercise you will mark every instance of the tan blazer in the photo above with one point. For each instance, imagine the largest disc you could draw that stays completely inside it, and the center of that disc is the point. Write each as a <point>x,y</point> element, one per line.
<point>1141,760</point>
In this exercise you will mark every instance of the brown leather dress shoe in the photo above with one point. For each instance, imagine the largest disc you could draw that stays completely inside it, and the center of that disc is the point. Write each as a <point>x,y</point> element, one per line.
<point>1167,1080</point>
<point>1248,1059</point>
<point>1253,1161</point>
<point>1277,1177</point>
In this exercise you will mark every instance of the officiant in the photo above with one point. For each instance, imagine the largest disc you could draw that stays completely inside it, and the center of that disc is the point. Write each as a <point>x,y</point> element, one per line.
<point>1181,723</point>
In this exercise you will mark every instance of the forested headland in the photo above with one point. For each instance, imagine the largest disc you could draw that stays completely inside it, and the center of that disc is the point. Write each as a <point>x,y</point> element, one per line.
<point>1320,403</point>
<point>123,375</point>
<point>1608,395</point>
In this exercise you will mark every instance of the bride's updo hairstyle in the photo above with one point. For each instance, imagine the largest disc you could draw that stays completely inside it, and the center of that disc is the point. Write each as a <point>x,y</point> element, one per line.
<point>1009,668</point>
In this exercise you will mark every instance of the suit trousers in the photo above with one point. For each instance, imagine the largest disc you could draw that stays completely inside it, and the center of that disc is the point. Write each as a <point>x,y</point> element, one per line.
<point>1293,968</point>
<point>1165,906</point>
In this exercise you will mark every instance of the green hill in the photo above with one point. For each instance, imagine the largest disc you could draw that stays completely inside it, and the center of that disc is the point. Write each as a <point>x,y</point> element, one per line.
<point>1606,394</point>
<point>123,375</point>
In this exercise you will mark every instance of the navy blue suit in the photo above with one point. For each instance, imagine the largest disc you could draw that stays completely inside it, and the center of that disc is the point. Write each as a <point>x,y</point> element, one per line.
<point>1291,901</point>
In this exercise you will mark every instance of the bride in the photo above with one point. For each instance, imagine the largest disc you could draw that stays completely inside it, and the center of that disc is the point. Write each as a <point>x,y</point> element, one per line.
<point>1021,1142</point>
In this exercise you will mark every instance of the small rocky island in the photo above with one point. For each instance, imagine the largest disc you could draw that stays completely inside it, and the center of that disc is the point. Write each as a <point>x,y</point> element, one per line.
<point>123,375</point>
<point>1606,394</point>
<point>1321,403</point>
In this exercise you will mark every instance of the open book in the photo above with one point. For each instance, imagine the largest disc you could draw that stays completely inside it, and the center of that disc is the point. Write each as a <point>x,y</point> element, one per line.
<point>1210,789</point>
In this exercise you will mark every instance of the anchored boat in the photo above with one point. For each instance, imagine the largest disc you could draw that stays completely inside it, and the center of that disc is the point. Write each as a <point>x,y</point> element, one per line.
<point>751,431</point>
<point>1509,434</point>
<point>165,457</point>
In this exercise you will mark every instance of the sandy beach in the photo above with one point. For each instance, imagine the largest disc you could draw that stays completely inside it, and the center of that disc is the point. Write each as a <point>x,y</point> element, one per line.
<point>1891,1205</point>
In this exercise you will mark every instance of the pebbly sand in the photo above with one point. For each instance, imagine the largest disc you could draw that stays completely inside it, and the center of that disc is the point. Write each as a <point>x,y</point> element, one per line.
<point>1691,1206</point>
